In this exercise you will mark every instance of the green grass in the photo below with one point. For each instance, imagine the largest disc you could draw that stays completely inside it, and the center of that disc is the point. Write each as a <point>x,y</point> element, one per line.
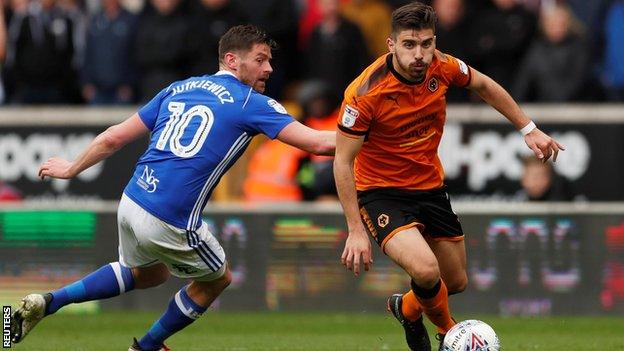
<point>309,331</point>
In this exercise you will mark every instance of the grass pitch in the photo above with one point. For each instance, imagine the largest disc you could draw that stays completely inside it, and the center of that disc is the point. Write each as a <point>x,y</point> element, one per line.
<point>309,331</point>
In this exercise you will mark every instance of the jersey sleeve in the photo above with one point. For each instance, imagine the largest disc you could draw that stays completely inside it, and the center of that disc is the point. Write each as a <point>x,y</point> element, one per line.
<point>457,72</point>
<point>355,115</point>
<point>149,111</point>
<point>267,116</point>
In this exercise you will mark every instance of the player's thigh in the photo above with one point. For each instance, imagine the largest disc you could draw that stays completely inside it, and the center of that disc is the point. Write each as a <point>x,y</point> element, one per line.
<point>451,255</point>
<point>409,249</point>
<point>132,224</point>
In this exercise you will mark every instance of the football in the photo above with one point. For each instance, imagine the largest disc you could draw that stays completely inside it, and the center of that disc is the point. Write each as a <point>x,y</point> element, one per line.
<point>471,335</point>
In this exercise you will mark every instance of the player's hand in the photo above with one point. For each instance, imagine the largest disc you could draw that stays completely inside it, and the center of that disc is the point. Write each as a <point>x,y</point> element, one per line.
<point>357,250</point>
<point>55,167</point>
<point>543,145</point>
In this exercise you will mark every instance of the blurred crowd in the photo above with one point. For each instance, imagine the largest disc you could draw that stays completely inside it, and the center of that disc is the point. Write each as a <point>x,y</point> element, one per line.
<point>123,51</point>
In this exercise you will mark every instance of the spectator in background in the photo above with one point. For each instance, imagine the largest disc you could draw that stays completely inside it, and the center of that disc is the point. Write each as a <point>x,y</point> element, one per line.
<point>613,65</point>
<point>540,183</point>
<point>452,26</point>
<point>319,104</point>
<point>40,54</point>
<point>76,14</point>
<point>451,37</point>
<point>109,75</point>
<point>555,68</point>
<point>337,51</point>
<point>3,47</point>
<point>164,46</point>
<point>500,38</point>
<point>211,19</point>
<point>309,17</point>
<point>272,173</point>
<point>279,19</point>
<point>372,17</point>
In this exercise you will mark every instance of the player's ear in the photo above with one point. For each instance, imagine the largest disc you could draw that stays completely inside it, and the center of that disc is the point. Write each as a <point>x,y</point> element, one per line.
<point>390,44</point>
<point>231,60</point>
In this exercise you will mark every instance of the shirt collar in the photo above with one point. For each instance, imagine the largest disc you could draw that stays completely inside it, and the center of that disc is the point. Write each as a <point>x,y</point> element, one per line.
<point>224,72</point>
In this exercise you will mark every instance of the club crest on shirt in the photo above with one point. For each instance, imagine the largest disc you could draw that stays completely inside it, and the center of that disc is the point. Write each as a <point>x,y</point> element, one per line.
<point>432,85</point>
<point>277,106</point>
<point>383,220</point>
<point>462,66</point>
<point>349,116</point>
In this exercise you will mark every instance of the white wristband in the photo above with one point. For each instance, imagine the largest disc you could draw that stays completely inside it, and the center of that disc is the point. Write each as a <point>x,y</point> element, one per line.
<point>528,128</point>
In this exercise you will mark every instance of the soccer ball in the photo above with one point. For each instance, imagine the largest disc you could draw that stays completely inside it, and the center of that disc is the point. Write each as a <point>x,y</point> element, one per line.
<point>471,335</point>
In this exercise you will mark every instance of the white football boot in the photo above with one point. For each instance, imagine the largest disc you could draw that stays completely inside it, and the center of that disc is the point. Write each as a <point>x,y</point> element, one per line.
<point>26,317</point>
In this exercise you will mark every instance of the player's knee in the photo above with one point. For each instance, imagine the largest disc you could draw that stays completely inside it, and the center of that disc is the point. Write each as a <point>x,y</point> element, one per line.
<point>226,279</point>
<point>150,277</point>
<point>457,284</point>
<point>426,274</point>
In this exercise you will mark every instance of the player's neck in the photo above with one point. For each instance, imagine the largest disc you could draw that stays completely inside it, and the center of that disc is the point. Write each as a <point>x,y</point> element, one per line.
<point>225,71</point>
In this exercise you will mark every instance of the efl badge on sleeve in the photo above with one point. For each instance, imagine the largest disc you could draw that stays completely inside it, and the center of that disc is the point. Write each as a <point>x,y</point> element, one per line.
<point>349,116</point>
<point>277,106</point>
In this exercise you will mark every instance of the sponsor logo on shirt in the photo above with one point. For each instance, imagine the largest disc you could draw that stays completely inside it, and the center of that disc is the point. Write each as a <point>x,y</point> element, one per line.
<point>349,116</point>
<point>148,181</point>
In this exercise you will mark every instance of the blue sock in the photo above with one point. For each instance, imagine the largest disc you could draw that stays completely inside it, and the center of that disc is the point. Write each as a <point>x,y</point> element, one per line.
<point>108,281</point>
<point>181,312</point>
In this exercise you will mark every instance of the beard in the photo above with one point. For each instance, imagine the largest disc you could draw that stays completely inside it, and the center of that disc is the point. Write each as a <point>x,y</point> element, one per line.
<point>259,86</point>
<point>416,73</point>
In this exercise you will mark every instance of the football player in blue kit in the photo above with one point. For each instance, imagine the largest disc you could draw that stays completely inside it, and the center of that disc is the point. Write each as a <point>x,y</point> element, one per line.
<point>198,128</point>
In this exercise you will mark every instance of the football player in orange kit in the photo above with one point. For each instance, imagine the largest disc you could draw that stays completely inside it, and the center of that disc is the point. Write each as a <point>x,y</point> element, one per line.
<point>388,174</point>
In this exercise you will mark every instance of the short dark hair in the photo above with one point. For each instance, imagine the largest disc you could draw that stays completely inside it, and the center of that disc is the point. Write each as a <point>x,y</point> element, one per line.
<point>415,16</point>
<point>242,39</point>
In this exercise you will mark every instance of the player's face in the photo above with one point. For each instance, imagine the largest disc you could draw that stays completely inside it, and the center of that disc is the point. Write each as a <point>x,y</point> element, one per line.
<point>255,68</point>
<point>412,53</point>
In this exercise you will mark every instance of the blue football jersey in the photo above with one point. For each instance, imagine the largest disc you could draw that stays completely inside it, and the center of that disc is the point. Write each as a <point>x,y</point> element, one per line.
<point>200,127</point>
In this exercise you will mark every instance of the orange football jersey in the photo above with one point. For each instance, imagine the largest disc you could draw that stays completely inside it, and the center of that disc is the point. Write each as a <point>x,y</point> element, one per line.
<point>402,122</point>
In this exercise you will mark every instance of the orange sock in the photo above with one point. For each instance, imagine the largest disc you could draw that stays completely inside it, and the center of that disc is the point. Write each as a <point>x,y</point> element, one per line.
<point>411,308</point>
<point>437,309</point>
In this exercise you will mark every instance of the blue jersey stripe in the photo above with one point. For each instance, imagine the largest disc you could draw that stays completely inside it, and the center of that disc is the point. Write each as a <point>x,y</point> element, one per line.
<point>193,218</point>
<point>240,143</point>
<point>202,254</point>
<point>202,244</point>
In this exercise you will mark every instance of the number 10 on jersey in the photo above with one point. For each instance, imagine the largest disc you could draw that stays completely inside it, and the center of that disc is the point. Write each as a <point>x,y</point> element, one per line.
<point>178,123</point>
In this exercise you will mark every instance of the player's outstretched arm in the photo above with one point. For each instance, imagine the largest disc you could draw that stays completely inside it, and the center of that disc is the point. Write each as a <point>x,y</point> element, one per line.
<point>496,96</point>
<point>318,142</point>
<point>357,247</point>
<point>104,145</point>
